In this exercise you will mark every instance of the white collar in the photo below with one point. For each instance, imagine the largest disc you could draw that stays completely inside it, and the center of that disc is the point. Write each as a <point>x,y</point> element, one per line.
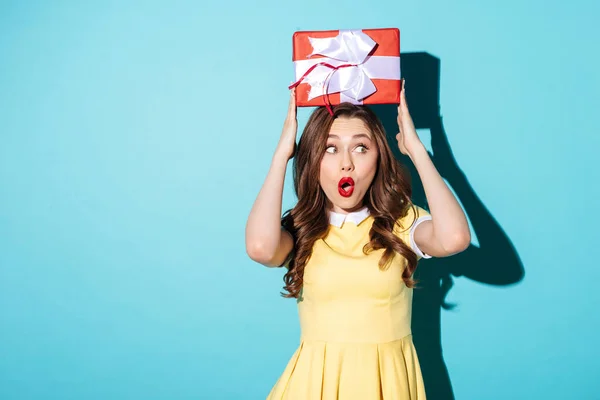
<point>356,217</point>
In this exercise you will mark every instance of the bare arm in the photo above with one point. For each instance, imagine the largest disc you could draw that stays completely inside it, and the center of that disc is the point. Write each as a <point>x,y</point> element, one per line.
<point>447,233</point>
<point>266,241</point>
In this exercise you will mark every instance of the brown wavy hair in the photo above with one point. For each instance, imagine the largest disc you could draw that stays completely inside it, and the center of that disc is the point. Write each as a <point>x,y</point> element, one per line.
<point>388,198</point>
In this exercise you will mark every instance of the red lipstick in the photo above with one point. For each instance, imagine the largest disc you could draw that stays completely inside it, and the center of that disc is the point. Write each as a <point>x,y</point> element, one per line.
<point>346,186</point>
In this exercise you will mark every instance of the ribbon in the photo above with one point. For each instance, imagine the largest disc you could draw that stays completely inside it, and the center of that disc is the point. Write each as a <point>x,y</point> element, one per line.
<point>346,67</point>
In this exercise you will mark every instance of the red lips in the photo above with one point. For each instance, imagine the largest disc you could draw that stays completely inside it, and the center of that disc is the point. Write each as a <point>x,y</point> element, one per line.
<point>346,186</point>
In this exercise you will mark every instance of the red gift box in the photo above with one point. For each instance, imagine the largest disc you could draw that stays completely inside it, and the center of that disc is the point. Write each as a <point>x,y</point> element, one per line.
<point>357,66</point>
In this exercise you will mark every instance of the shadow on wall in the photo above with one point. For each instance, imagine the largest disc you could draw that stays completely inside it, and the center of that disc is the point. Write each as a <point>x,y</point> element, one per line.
<point>494,262</point>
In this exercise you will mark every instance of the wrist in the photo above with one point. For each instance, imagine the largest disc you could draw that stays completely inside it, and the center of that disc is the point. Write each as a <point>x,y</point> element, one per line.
<point>280,157</point>
<point>417,151</point>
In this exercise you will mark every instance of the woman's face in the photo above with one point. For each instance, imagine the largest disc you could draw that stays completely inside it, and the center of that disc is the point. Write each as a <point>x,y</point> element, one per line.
<point>349,164</point>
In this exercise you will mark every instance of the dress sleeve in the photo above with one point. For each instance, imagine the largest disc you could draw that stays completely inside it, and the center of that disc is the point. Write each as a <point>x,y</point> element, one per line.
<point>407,226</point>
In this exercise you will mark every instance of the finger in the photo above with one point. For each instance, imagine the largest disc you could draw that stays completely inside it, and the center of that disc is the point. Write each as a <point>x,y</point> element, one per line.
<point>402,86</point>
<point>400,105</point>
<point>403,97</point>
<point>292,103</point>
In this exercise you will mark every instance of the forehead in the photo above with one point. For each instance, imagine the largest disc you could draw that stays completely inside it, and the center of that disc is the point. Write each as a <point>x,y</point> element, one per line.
<point>348,127</point>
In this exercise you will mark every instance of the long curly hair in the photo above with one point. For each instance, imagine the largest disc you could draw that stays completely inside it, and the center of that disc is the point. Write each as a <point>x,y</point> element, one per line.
<point>388,197</point>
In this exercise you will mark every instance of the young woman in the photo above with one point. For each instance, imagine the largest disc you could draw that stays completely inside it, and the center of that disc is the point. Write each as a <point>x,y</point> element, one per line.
<point>350,246</point>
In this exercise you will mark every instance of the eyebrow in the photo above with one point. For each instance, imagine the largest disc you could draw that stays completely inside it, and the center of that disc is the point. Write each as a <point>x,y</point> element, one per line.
<point>357,136</point>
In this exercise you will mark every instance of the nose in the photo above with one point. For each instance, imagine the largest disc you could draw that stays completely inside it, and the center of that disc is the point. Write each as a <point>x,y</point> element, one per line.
<point>347,164</point>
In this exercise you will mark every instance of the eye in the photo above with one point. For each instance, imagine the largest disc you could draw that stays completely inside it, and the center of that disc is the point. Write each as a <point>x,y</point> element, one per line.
<point>330,149</point>
<point>362,148</point>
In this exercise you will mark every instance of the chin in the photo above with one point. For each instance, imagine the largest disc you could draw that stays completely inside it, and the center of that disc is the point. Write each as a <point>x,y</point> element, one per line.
<point>348,203</point>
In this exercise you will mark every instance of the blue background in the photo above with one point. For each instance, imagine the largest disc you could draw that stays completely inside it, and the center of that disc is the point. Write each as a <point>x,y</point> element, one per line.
<point>134,139</point>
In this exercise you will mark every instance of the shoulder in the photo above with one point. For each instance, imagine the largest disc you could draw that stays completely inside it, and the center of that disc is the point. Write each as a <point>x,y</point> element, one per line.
<point>406,225</point>
<point>412,216</point>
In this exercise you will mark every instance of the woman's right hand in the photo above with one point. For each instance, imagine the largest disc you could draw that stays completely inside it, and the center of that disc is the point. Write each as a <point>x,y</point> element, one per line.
<point>287,141</point>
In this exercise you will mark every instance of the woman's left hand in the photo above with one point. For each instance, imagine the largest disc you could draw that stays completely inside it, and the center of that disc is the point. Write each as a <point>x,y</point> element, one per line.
<point>408,140</point>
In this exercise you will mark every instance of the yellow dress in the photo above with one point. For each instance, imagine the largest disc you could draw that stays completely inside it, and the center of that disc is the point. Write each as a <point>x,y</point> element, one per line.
<point>356,340</point>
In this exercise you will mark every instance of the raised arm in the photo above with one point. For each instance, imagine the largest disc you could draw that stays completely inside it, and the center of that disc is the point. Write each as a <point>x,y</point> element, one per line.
<point>266,241</point>
<point>447,233</point>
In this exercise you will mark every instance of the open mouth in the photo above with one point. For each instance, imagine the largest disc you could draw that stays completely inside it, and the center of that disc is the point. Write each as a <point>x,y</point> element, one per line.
<point>346,186</point>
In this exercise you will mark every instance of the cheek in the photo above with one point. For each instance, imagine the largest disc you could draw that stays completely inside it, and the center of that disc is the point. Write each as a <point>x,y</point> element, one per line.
<point>369,167</point>
<point>327,170</point>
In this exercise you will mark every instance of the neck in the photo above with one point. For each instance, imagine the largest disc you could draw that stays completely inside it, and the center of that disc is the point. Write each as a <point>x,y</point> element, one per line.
<point>341,210</point>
